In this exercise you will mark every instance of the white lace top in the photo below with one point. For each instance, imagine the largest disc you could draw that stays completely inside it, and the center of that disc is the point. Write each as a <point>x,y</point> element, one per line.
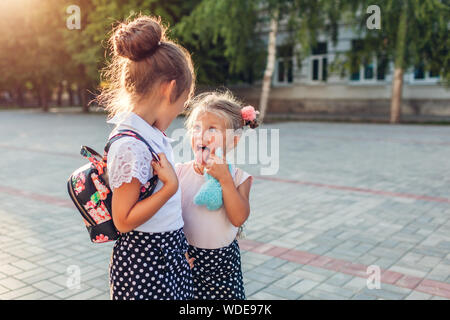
<point>128,157</point>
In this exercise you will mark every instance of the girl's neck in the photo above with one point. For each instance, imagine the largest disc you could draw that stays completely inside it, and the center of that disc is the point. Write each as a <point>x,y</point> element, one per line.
<point>148,112</point>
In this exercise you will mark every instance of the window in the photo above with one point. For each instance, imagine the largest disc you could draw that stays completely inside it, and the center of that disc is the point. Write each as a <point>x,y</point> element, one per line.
<point>420,75</point>
<point>367,70</point>
<point>285,64</point>
<point>319,62</point>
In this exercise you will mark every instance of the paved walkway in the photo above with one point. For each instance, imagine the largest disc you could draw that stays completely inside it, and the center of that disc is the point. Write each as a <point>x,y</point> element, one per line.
<point>346,197</point>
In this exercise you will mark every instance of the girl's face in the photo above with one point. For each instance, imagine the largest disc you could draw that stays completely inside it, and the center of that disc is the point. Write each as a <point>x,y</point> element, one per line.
<point>209,132</point>
<point>170,111</point>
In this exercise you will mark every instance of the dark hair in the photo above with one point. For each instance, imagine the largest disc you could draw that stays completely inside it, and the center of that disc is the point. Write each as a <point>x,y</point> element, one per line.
<point>142,58</point>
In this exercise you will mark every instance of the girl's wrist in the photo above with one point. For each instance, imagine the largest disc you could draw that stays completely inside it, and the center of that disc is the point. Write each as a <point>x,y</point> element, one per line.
<point>170,188</point>
<point>226,179</point>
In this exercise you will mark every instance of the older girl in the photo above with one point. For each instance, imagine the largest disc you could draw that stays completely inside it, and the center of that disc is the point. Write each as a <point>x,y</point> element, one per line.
<point>149,81</point>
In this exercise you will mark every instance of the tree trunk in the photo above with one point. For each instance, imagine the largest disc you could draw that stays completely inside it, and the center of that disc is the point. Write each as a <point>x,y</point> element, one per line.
<point>44,93</point>
<point>83,98</point>
<point>396,100</point>
<point>397,83</point>
<point>71,95</point>
<point>19,96</point>
<point>59,94</point>
<point>271,48</point>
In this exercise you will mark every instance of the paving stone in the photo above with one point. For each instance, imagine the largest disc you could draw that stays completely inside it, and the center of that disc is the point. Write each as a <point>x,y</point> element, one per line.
<point>48,286</point>
<point>416,295</point>
<point>304,286</point>
<point>405,235</point>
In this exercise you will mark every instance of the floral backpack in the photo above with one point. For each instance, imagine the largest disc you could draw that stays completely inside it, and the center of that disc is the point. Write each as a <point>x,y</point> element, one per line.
<point>88,187</point>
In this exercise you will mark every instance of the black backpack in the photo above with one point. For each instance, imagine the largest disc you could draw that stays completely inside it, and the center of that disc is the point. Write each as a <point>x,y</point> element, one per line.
<point>88,187</point>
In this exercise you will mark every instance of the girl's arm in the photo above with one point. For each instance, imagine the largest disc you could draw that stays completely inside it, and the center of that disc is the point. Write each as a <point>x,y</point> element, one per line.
<point>236,200</point>
<point>128,212</point>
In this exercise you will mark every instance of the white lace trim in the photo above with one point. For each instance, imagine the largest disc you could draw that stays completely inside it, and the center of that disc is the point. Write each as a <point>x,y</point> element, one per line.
<point>128,158</point>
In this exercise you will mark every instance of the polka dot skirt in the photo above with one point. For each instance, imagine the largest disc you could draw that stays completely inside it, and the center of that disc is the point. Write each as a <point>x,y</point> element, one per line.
<point>150,266</point>
<point>217,273</point>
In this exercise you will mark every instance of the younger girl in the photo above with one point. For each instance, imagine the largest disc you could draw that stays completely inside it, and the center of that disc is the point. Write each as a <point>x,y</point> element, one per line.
<point>215,121</point>
<point>149,81</point>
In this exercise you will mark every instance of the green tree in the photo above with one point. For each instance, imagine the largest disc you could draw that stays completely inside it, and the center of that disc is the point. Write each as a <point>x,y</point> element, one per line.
<point>412,33</point>
<point>238,26</point>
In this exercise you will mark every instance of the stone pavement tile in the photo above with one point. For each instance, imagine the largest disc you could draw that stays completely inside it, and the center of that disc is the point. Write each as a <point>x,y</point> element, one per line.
<point>12,283</point>
<point>24,265</point>
<point>103,296</point>
<point>287,281</point>
<point>14,294</point>
<point>290,267</point>
<point>429,262</point>
<point>367,259</point>
<point>258,276</point>
<point>408,271</point>
<point>9,269</point>
<point>86,295</point>
<point>338,279</point>
<point>48,286</point>
<point>39,277</point>
<point>356,284</point>
<point>3,290</point>
<point>252,287</point>
<point>262,295</point>
<point>384,294</point>
<point>416,295</point>
<point>325,295</point>
<point>274,263</point>
<point>310,275</point>
<point>282,292</point>
<point>385,263</point>
<point>304,286</point>
<point>340,291</point>
<point>324,272</point>
<point>36,295</point>
<point>433,298</point>
<point>431,251</point>
<point>100,283</point>
<point>361,296</point>
<point>69,292</point>
<point>29,273</point>
<point>440,273</point>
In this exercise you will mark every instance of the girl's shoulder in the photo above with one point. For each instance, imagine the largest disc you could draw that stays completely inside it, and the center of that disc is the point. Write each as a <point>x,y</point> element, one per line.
<point>182,168</point>
<point>240,176</point>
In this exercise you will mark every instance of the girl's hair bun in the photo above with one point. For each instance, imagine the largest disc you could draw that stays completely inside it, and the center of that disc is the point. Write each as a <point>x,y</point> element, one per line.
<point>139,38</point>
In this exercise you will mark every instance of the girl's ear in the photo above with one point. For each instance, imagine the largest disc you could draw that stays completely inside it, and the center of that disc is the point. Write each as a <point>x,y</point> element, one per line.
<point>168,89</point>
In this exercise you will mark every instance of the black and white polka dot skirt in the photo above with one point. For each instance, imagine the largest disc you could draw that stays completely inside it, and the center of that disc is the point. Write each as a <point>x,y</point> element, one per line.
<point>217,273</point>
<point>150,266</point>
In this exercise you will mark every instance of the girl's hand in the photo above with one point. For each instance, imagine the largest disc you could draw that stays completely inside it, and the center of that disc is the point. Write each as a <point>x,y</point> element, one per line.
<point>189,260</point>
<point>165,172</point>
<point>217,167</point>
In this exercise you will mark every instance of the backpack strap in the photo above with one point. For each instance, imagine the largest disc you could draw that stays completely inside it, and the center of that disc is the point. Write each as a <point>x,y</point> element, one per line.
<point>128,133</point>
<point>150,186</point>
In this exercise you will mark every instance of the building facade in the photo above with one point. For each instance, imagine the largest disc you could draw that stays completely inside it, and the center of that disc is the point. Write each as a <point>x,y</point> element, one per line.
<point>314,88</point>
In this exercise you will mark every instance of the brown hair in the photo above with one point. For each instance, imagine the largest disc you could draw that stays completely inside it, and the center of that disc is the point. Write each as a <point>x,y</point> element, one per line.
<point>143,57</point>
<point>221,103</point>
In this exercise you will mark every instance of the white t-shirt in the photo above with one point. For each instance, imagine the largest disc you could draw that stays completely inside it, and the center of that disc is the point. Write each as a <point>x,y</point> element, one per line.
<point>128,157</point>
<point>207,229</point>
